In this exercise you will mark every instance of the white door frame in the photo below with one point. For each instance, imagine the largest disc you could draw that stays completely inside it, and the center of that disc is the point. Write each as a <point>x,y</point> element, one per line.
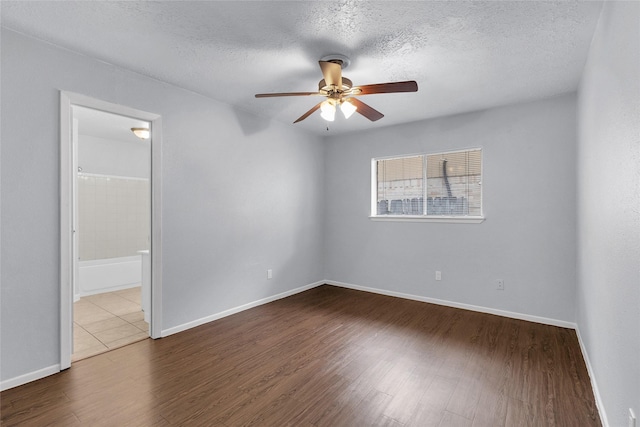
<point>67,179</point>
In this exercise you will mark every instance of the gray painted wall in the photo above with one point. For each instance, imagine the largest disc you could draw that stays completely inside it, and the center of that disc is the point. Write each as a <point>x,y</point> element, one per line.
<point>240,195</point>
<point>608,296</point>
<point>528,150</point>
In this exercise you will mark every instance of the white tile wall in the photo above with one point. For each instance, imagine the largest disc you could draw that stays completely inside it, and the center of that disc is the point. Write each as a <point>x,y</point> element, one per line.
<point>113,216</point>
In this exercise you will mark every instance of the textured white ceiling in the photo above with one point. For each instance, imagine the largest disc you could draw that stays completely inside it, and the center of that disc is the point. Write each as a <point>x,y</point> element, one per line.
<point>464,55</point>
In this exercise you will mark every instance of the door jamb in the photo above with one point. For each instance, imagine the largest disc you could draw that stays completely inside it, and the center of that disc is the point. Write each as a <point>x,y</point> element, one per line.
<point>67,174</point>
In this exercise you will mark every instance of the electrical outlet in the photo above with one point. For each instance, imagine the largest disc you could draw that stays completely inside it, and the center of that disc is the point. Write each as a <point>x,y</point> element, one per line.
<point>269,274</point>
<point>438,275</point>
<point>500,285</point>
<point>632,418</point>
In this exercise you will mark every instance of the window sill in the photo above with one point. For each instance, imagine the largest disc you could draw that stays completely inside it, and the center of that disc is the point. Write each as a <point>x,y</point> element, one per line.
<point>424,218</point>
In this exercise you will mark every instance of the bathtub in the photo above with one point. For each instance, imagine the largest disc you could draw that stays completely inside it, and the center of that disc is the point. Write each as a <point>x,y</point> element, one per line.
<point>107,275</point>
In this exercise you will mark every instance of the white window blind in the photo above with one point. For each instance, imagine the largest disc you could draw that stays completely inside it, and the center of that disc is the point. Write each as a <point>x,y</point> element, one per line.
<point>441,184</point>
<point>400,181</point>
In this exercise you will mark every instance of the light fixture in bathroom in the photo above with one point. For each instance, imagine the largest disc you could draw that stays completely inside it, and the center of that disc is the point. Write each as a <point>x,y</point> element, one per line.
<point>142,133</point>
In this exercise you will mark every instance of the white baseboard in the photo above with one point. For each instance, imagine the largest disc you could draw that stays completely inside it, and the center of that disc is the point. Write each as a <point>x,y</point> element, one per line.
<point>503,313</point>
<point>592,377</point>
<point>31,376</point>
<point>225,313</point>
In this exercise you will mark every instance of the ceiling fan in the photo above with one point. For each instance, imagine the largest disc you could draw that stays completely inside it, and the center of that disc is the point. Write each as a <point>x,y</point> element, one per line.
<point>340,92</point>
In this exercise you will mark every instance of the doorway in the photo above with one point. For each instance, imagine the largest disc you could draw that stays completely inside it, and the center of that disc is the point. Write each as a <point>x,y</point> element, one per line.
<point>112,232</point>
<point>110,227</point>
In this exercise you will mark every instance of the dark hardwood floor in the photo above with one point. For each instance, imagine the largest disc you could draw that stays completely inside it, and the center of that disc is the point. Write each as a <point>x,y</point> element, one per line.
<point>326,357</point>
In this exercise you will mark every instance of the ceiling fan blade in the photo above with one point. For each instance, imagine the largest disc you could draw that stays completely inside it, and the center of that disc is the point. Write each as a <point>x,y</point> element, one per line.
<point>408,86</point>
<point>308,113</point>
<point>272,95</point>
<point>367,111</point>
<point>332,73</point>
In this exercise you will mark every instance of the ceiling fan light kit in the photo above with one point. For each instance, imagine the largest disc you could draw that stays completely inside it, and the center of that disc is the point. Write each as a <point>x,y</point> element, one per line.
<point>340,91</point>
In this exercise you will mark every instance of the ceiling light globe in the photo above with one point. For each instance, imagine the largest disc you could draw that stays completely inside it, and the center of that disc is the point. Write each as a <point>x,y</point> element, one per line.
<point>328,111</point>
<point>142,133</point>
<point>347,108</point>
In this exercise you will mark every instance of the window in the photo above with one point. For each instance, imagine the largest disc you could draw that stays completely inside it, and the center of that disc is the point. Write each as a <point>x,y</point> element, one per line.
<point>440,186</point>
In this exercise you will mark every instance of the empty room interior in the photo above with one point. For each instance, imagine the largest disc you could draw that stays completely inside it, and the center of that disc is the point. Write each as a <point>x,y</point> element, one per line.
<point>333,213</point>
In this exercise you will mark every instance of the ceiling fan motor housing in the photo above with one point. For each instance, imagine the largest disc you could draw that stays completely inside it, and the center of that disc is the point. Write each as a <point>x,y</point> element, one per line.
<point>347,84</point>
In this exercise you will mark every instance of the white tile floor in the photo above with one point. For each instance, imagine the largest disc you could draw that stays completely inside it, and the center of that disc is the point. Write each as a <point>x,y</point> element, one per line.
<point>106,321</point>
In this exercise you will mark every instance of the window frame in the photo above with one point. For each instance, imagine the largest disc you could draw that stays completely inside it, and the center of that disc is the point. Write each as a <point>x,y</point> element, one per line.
<point>459,219</point>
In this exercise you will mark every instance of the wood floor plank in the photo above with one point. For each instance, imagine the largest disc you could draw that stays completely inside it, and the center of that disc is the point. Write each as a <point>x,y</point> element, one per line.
<point>521,413</point>
<point>408,398</point>
<point>433,403</point>
<point>449,419</point>
<point>491,409</point>
<point>55,416</point>
<point>367,411</point>
<point>326,357</point>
